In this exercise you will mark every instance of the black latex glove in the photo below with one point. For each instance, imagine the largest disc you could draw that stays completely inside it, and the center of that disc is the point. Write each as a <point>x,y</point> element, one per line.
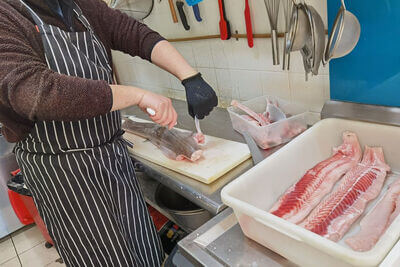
<point>200,97</point>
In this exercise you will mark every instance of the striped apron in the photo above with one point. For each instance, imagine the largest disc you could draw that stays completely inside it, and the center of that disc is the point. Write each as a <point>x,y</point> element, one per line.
<point>80,174</point>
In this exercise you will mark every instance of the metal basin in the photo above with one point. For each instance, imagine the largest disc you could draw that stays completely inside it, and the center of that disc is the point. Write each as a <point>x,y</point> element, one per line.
<point>185,213</point>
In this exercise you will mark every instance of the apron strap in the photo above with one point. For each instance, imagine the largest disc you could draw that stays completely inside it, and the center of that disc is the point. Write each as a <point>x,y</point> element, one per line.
<point>35,16</point>
<point>76,9</point>
<point>81,17</point>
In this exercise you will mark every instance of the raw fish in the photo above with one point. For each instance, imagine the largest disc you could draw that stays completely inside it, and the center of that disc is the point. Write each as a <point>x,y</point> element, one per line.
<point>262,119</point>
<point>268,138</point>
<point>333,217</point>
<point>298,201</point>
<point>374,224</point>
<point>199,136</point>
<point>173,143</point>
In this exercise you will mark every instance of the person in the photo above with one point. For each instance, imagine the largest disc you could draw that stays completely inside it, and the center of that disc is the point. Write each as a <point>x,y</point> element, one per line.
<point>60,106</point>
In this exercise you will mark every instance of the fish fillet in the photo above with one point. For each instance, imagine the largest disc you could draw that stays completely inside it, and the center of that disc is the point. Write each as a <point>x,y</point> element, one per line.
<point>301,198</point>
<point>333,217</point>
<point>374,224</point>
<point>174,144</point>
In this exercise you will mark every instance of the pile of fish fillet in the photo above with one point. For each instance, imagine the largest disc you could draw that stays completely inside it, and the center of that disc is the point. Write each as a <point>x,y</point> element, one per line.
<point>264,138</point>
<point>316,204</point>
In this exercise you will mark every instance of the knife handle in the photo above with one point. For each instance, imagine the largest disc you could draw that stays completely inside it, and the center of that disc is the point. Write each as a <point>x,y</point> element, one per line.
<point>173,13</point>
<point>182,15</point>
<point>151,111</point>
<point>196,12</point>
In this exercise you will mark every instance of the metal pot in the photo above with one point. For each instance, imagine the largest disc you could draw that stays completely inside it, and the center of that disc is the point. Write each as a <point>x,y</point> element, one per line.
<point>185,213</point>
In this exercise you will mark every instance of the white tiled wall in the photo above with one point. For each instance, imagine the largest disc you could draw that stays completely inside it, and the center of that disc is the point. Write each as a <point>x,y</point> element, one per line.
<point>231,67</point>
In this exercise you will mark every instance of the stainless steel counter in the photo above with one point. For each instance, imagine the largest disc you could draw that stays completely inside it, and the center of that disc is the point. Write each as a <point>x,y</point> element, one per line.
<point>221,242</point>
<point>206,196</point>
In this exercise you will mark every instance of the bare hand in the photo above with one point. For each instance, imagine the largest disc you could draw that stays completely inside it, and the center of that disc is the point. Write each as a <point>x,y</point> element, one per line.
<point>165,113</point>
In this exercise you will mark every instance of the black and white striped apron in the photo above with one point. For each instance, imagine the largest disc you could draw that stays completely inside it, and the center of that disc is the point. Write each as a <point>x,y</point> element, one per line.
<point>80,173</point>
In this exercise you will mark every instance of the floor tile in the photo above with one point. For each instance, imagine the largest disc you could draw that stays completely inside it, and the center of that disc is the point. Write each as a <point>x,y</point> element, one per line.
<point>27,238</point>
<point>14,262</point>
<point>39,256</point>
<point>7,250</point>
<point>55,264</point>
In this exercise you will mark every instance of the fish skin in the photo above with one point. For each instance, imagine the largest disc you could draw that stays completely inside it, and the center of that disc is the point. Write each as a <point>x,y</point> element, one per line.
<point>174,144</point>
<point>375,223</point>
<point>333,217</point>
<point>298,201</point>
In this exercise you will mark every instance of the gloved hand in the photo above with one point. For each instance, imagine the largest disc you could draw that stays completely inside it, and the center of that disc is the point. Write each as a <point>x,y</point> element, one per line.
<point>200,96</point>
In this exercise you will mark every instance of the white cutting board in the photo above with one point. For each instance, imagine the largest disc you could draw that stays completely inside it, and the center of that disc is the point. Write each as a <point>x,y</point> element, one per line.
<point>219,157</point>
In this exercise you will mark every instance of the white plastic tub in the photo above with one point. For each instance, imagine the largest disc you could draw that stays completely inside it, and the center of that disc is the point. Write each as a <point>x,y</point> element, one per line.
<point>275,133</point>
<point>393,258</point>
<point>254,193</point>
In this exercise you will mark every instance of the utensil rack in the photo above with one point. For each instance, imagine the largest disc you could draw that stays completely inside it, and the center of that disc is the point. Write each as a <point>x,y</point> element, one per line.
<point>236,36</point>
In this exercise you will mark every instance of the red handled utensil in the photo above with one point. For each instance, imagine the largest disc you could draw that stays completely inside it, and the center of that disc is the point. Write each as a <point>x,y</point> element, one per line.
<point>224,27</point>
<point>249,28</point>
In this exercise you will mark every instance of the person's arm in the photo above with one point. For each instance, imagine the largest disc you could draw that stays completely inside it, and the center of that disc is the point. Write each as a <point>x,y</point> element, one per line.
<point>130,36</point>
<point>34,91</point>
<point>200,96</point>
<point>126,96</point>
<point>37,93</point>
<point>165,56</point>
<point>121,31</point>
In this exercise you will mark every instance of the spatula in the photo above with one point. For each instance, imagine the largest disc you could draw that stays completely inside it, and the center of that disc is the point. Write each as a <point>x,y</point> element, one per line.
<point>249,27</point>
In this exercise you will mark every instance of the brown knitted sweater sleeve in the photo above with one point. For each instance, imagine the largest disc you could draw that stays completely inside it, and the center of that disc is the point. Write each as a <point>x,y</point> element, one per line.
<point>124,33</point>
<point>35,92</point>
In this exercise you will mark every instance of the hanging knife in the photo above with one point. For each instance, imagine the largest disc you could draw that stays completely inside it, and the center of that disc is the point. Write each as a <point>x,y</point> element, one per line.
<point>182,15</point>
<point>195,6</point>
<point>196,12</point>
